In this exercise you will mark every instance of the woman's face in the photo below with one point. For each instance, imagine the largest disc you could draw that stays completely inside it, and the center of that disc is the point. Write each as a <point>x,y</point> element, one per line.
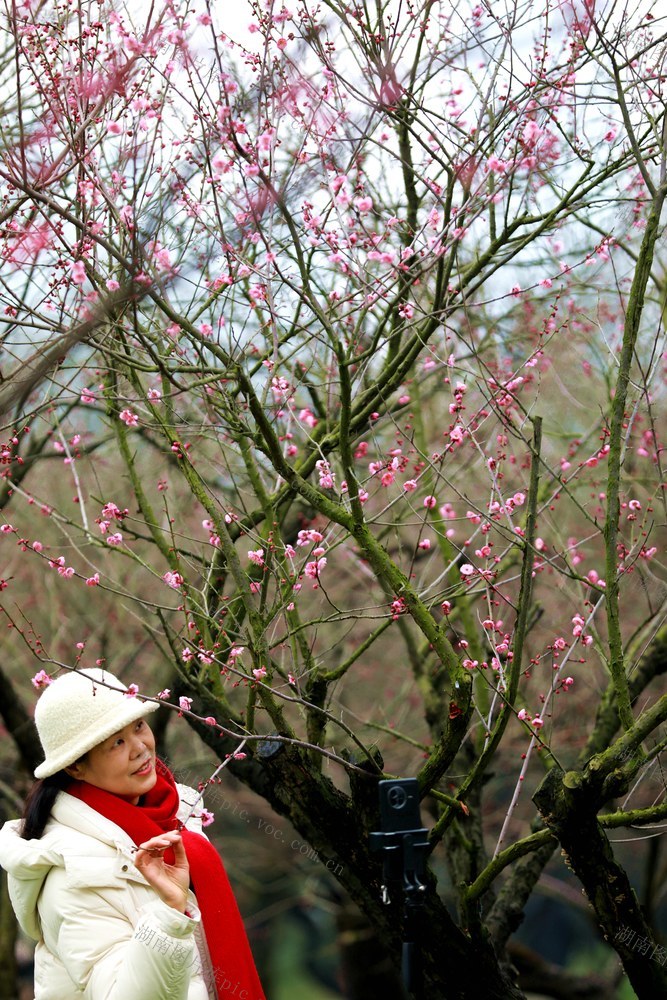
<point>123,764</point>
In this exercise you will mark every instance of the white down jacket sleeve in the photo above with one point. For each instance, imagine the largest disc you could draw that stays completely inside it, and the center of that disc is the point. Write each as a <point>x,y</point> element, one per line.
<point>108,959</point>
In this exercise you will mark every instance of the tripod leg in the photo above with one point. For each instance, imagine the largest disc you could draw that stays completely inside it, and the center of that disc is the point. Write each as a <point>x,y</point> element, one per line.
<point>407,964</point>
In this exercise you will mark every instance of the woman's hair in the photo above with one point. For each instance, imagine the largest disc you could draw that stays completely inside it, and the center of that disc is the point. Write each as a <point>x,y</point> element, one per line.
<point>38,805</point>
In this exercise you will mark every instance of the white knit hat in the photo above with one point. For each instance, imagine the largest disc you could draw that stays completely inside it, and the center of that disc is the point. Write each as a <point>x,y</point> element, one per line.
<point>74,714</point>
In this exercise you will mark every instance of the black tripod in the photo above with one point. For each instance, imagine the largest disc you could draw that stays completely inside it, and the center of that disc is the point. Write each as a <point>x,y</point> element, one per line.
<point>403,843</point>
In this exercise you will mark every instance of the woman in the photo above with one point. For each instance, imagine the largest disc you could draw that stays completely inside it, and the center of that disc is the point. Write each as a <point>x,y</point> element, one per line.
<point>103,865</point>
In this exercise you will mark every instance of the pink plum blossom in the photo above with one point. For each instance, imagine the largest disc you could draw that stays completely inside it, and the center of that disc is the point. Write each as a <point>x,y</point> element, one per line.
<point>308,535</point>
<point>111,509</point>
<point>41,679</point>
<point>398,607</point>
<point>78,272</point>
<point>314,568</point>
<point>325,474</point>
<point>363,205</point>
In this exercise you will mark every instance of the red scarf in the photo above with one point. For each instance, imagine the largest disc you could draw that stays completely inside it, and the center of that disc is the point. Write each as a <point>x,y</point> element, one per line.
<point>228,946</point>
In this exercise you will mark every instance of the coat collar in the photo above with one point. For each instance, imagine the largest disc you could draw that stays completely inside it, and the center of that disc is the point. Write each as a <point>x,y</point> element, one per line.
<point>71,812</point>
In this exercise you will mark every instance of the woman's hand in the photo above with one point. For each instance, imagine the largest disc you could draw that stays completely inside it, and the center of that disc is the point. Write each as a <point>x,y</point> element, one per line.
<point>171,882</point>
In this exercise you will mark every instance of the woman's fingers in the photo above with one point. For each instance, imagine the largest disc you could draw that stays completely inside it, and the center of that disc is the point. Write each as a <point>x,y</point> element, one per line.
<point>169,881</point>
<point>159,848</point>
<point>179,850</point>
<point>153,850</point>
<point>158,845</point>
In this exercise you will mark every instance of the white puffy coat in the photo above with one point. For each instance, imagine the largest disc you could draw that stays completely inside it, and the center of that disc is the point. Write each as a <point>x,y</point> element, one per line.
<point>102,931</point>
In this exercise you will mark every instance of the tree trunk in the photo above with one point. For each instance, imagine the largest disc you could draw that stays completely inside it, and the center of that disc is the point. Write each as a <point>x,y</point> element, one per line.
<point>569,807</point>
